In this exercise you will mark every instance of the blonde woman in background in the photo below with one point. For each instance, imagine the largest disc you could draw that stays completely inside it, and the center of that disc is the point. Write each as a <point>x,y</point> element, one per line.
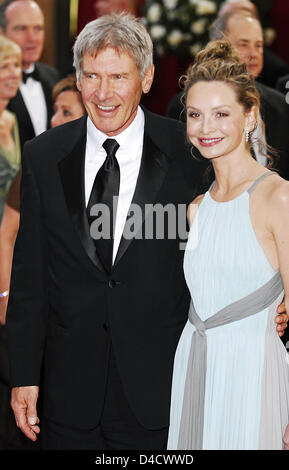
<point>10,154</point>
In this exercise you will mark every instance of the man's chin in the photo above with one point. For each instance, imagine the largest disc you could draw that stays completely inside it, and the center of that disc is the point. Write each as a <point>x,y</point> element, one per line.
<point>255,71</point>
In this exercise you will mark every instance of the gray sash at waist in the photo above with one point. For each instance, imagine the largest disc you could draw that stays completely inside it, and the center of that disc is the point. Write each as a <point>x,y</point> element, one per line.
<point>192,420</point>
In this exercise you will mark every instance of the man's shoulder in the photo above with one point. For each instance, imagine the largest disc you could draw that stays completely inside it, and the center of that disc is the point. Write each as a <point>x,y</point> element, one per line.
<point>274,105</point>
<point>270,95</point>
<point>47,71</point>
<point>176,107</point>
<point>168,134</point>
<point>281,84</point>
<point>155,122</point>
<point>56,142</point>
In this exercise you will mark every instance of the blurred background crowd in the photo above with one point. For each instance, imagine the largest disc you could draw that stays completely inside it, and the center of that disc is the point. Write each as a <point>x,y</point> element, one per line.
<point>38,89</point>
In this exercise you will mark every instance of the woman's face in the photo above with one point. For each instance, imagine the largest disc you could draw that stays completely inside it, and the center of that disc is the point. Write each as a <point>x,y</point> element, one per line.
<point>216,122</point>
<point>67,107</point>
<point>10,76</point>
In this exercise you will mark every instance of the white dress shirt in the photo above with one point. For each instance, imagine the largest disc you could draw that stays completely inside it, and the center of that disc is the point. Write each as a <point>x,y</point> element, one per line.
<point>129,159</point>
<point>34,99</point>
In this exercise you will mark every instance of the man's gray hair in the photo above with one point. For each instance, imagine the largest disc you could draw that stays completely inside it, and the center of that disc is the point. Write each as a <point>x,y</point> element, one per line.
<point>3,19</point>
<point>123,32</point>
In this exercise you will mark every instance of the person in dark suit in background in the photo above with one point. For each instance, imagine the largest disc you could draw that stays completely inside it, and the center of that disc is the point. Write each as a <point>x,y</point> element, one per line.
<point>244,31</point>
<point>23,22</point>
<point>273,66</point>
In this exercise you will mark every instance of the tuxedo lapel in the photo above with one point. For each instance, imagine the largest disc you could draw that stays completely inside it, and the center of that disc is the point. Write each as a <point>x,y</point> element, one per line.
<point>18,106</point>
<point>154,166</point>
<point>71,171</point>
<point>153,169</point>
<point>46,86</point>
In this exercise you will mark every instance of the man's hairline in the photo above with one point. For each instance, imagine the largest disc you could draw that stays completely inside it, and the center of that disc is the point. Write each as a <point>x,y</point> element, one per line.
<point>15,1</point>
<point>245,17</point>
<point>79,72</point>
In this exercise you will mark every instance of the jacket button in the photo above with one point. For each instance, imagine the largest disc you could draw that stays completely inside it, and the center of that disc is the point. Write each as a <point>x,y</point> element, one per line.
<point>111,283</point>
<point>105,327</point>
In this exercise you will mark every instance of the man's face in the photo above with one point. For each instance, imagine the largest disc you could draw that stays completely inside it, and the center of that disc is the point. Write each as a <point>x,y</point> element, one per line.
<point>111,89</point>
<point>245,34</point>
<point>26,27</point>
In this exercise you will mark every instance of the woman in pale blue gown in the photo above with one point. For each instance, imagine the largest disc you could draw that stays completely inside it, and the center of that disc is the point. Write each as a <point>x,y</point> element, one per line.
<point>230,385</point>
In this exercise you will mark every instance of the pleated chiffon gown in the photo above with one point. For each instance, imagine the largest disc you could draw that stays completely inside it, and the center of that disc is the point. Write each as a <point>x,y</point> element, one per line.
<point>230,385</point>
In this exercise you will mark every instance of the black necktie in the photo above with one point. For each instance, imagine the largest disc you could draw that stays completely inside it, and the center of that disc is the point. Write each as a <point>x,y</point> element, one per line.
<point>105,188</point>
<point>26,75</point>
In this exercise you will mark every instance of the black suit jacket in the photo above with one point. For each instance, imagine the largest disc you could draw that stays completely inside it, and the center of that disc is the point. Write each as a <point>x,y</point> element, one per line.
<point>64,310</point>
<point>274,67</point>
<point>281,84</point>
<point>48,78</point>
<point>275,114</point>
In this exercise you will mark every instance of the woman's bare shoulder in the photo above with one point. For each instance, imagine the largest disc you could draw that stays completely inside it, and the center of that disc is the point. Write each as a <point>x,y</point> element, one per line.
<point>278,191</point>
<point>193,207</point>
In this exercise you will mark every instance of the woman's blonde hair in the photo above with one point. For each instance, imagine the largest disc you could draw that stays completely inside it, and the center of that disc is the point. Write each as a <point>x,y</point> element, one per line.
<point>219,61</point>
<point>9,48</point>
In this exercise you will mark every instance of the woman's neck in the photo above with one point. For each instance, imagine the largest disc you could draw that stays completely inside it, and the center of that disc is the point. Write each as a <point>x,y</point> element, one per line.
<point>234,170</point>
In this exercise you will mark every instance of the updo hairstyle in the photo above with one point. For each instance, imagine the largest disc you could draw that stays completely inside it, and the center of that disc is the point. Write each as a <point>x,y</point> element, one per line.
<point>219,61</point>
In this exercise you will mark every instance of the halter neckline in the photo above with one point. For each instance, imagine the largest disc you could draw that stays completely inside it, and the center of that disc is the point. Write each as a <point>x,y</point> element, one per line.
<point>251,188</point>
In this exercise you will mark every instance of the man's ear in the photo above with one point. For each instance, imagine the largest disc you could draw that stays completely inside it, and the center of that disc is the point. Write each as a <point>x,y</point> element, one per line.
<point>148,79</point>
<point>77,76</point>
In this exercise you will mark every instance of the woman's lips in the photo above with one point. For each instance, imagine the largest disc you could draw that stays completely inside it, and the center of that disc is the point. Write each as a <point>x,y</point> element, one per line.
<point>205,142</point>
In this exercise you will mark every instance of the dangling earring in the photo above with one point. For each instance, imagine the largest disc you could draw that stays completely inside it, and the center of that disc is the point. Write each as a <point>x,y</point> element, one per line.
<point>247,133</point>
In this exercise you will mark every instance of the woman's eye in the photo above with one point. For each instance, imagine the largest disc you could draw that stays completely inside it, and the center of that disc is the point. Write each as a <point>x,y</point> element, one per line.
<point>193,114</point>
<point>66,113</point>
<point>222,114</point>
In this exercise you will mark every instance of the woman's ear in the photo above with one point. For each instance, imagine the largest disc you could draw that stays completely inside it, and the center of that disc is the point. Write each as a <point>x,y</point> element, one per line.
<point>252,119</point>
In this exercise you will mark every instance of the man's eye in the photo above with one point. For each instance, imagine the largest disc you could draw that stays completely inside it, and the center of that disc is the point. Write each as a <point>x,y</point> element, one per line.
<point>66,113</point>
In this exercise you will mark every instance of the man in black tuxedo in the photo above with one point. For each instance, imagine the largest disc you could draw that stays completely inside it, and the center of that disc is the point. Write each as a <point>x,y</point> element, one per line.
<point>93,323</point>
<point>244,31</point>
<point>22,21</point>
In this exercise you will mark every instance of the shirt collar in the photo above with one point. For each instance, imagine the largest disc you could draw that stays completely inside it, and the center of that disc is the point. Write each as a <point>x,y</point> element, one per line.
<point>131,136</point>
<point>30,69</point>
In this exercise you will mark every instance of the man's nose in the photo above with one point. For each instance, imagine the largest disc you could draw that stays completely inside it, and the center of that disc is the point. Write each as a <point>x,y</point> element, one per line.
<point>253,52</point>
<point>104,89</point>
<point>31,34</point>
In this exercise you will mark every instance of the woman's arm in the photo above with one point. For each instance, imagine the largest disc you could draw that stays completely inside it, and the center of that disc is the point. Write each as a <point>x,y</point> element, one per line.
<point>8,232</point>
<point>279,221</point>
